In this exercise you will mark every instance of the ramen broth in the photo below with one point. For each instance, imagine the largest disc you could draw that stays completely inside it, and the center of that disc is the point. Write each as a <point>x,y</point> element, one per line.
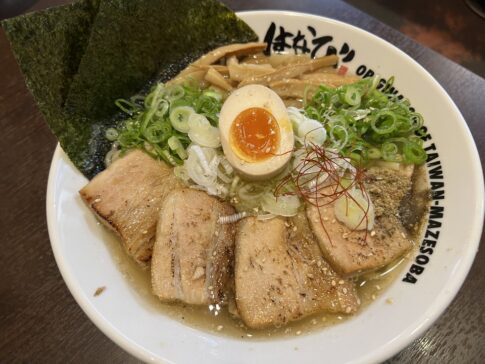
<point>217,319</point>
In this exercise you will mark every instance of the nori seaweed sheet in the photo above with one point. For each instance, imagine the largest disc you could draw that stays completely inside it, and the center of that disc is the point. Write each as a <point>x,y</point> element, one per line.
<point>153,36</point>
<point>48,46</point>
<point>77,59</point>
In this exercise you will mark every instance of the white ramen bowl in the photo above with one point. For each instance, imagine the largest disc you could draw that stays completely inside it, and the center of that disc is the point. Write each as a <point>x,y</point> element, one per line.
<point>380,330</point>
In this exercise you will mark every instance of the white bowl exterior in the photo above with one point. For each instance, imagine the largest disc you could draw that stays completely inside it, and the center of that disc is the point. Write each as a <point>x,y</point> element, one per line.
<point>375,334</point>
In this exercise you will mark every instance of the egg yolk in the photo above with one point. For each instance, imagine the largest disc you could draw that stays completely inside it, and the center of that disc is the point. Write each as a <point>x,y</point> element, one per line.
<point>255,134</point>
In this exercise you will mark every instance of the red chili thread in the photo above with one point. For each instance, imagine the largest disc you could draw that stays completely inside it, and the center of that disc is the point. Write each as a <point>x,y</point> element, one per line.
<point>319,162</point>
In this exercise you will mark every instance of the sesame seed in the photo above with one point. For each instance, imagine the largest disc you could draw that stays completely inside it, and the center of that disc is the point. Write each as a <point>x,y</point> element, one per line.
<point>341,281</point>
<point>216,233</point>
<point>314,322</point>
<point>287,224</point>
<point>319,263</point>
<point>298,332</point>
<point>348,309</point>
<point>99,290</point>
<point>334,283</point>
<point>198,273</point>
<point>345,290</point>
<point>378,287</point>
<point>334,221</point>
<point>389,301</point>
<point>295,228</point>
<point>220,327</point>
<point>373,296</point>
<point>372,233</point>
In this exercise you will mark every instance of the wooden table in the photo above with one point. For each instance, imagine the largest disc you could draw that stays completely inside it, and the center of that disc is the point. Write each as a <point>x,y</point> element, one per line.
<point>39,319</point>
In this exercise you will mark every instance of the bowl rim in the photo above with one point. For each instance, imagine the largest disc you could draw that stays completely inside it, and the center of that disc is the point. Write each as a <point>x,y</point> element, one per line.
<point>415,328</point>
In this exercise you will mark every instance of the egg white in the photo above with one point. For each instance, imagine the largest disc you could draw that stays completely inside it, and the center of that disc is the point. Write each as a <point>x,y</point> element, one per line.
<point>256,96</point>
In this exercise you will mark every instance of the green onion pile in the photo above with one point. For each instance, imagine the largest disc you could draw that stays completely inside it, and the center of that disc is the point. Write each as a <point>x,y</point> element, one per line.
<point>362,122</point>
<point>365,124</point>
<point>158,122</point>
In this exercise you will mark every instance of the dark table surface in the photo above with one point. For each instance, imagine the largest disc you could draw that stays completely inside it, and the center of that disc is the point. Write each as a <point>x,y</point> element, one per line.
<point>39,319</point>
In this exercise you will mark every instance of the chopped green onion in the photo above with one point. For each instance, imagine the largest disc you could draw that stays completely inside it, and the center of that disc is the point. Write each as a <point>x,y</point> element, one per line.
<point>213,94</point>
<point>126,106</point>
<point>179,117</point>
<point>414,153</point>
<point>169,158</point>
<point>339,136</point>
<point>360,114</point>
<point>159,116</point>
<point>352,96</point>
<point>157,133</point>
<point>403,125</point>
<point>175,145</point>
<point>356,157</point>
<point>374,153</point>
<point>312,113</point>
<point>162,108</point>
<point>175,93</point>
<point>111,134</point>
<point>384,122</point>
<point>390,152</point>
<point>417,120</point>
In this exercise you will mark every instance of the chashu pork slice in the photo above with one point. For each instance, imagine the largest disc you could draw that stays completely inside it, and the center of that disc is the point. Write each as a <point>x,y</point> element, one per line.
<point>353,252</point>
<point>193,253</point>
<point>127,197</point>
<point>281,276</point>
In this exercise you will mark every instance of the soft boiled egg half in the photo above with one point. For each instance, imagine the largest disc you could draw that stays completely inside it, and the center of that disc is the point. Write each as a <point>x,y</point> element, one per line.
<point>256,132</point>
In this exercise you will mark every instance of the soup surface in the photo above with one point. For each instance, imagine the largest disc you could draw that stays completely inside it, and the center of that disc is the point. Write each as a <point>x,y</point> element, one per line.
<point>217,319</point>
